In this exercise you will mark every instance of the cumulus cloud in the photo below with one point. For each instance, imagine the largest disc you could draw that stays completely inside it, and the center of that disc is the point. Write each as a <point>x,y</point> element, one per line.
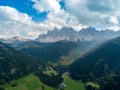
<point>15,23</point>
<point>80,13</point>
<point>46,5</point>
<point>76,14</point>
<point>9,13</point>
<point>114,20</point>
<point>57,16</point>
<point>90,12</point>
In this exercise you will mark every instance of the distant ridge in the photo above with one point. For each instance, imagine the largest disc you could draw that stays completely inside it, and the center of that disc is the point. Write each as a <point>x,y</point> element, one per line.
<point>69,34</point>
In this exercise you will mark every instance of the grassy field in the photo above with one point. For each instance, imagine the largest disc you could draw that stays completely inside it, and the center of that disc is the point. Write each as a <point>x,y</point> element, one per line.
<point>95,85</point>
<point>72,84</point>
<point>32,82</point>
<point>50,71</point>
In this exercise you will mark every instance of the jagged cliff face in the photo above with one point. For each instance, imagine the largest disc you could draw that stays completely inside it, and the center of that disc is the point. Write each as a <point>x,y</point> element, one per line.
<point>58,35</point>
<point>69,34</point>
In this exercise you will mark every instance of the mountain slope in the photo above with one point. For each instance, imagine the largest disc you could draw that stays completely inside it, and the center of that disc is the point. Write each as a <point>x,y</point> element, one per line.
<point>14,64</point>
<point>62,52</point>
<point>51,52</point>
<point>32,44</point>
<point>101,65</point>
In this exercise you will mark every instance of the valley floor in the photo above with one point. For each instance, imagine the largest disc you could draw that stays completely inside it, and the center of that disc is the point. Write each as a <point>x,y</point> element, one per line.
<point>32,82</point>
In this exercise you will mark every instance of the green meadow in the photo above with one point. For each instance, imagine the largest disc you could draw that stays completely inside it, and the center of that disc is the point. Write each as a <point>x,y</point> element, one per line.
<point>72,84</point>
<point>32,82</point>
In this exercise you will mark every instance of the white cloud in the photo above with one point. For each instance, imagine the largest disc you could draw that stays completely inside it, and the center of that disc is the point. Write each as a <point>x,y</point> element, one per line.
<point>46,5</point>
<point>77,14</point>
<point>9,13</point>
<point>15,23</point>
<point>56,16</point>
<point>90,12</point>
<point>113,20</point>
<point>115,28</point>
<point>80,13</point>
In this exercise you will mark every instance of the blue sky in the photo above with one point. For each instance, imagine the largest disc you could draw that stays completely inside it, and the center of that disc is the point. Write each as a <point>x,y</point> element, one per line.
<point>29,18</point>
<point>25,7</point>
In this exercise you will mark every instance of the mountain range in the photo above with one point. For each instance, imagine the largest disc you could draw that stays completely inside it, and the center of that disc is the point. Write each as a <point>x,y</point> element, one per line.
<point>14,41</point>
<point>89,55</point>
<point>88,34</point>
<point>85,34</point>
